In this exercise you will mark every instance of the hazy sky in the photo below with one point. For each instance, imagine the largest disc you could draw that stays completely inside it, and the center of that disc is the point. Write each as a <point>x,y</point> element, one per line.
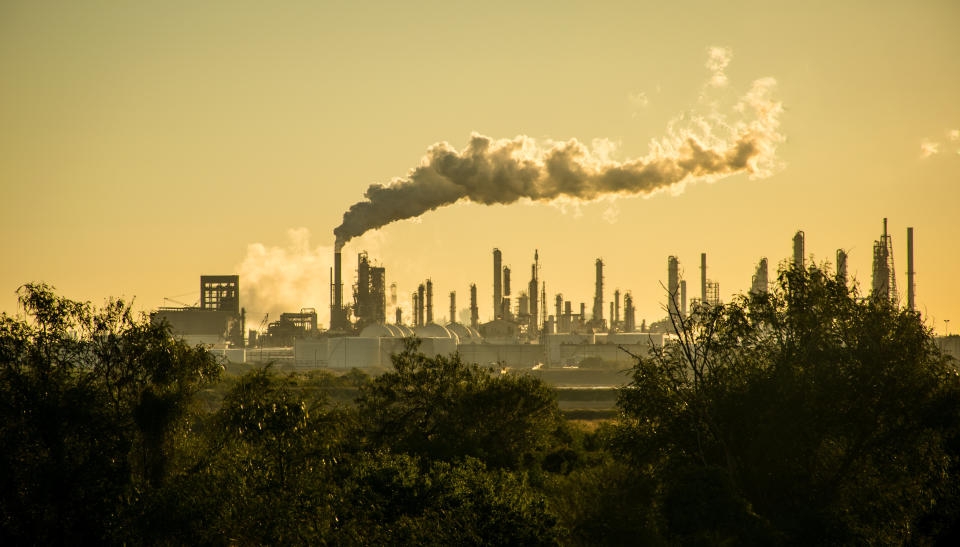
<point>145,143</point>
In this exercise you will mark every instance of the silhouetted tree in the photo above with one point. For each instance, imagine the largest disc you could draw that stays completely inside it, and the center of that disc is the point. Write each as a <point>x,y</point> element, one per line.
<point>443,409</point>
<point>89,401</point>
<point>806,415</point>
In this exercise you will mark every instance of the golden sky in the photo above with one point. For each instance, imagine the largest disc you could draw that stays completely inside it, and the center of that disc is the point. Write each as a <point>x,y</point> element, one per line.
<point>145,143</point>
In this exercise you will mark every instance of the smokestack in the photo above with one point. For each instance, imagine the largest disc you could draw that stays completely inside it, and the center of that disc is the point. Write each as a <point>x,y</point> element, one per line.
<point>337,315</point>
<point>533,290</point>
<point>703,278</point>
<point>415,312</point>
<point>598,295</point>
<point>497,283</point>
<point>760,282</point>
<point>842,266</point>
<point>474,312</point>
<point>506,281</point>
<point>421,297</point>
<point>558,305</point>
<point>629,316</point>
<point>616,309</point>
<point>798,251</point>
<point>673,285</point>
<point>393,295</point>
<point>543,302</point>
<point>910,272</point>
<point>683,297</point>
<point>362,292</point>
<point>399,316</point>
<point>453,306</point>
<point>429,301</point>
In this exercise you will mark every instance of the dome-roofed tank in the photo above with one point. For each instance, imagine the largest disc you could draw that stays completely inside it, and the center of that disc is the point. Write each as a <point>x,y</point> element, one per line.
<point>462,332</point>
<point>394,330</point>
<point>432,330</point>
<point>405,331</point>
<point>376,331</point>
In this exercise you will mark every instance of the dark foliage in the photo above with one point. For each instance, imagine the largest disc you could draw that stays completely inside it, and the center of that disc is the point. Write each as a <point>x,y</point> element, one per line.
<point>804,416</point>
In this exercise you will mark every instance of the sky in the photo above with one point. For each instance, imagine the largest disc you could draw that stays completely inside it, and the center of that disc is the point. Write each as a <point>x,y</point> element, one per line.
<point>146,143</point>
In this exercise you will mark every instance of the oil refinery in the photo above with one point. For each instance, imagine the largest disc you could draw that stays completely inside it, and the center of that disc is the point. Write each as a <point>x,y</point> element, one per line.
<point>522,330</point>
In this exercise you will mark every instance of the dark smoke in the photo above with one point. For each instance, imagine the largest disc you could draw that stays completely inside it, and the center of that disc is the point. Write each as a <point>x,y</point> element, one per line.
<point>504,171</point>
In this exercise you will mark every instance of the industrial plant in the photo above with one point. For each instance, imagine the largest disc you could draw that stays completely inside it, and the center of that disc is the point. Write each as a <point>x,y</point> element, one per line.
<point>523,330</point>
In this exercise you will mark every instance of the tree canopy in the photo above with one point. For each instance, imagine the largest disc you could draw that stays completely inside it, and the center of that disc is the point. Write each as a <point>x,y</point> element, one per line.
<point>806,415</point>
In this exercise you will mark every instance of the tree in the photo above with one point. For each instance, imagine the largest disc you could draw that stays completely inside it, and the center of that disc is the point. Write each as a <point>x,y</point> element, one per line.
<point>815,416</point>
<point>442,409</point>
<point>89,402</point>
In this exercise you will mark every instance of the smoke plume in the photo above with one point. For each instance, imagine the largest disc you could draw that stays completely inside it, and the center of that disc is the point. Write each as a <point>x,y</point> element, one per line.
<point>280,279</point>
<point>501,171</point>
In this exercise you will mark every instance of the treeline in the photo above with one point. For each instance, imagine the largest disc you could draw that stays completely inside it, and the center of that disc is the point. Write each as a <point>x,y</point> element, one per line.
<point>804,416</point>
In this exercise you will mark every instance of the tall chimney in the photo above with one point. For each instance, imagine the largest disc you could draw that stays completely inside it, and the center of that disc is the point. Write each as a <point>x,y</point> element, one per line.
<point>673,285</point>
<point>760,282</point>
<point>616,301</point>
<point>543,302</point>
<point>629,316</point>
<point>683,297</point>
<point>474,312</point>
<point>497,283</point>
<point>798,251</point>
<point>506,281</point>
<point>533,289</point>
<point>421,297</point>
<point>453,306</point>
<point>842,266</point>
<point>415,312</point>
<point>598,294</point>
<point>399,316</point>
<point>429,301</point>
<point>910,272</point>
<point>337,316</point>
<point>703,278</point>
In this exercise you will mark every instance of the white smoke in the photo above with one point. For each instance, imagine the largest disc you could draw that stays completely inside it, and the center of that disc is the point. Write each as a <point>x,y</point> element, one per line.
<point>501,171</point>
<point>929,148</point>
<point>288,278</point>
<point>717,60</point>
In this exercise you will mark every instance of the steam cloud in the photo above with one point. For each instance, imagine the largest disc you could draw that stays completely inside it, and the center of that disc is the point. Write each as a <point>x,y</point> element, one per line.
<point>929,147</point>
<point>502,171</point>
<point>278,279</point>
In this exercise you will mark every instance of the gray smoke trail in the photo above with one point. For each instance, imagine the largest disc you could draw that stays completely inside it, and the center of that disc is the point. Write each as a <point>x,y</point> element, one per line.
<point>504,171</point>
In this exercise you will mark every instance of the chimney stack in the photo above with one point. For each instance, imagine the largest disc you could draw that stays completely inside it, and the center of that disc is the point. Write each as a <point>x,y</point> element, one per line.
<point>421,296</point>
<point>429,301</point>
<point>453,306</point>
<point>497,283</point>
<point>474,312</point>
<point>673,285</point>
<point>910,272</point>
<point>842,266</point>
<point>703,278</point>
<point>798,249</point>
<point>683,297</point>
<point>598,295</point>
<point>338,318</point>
